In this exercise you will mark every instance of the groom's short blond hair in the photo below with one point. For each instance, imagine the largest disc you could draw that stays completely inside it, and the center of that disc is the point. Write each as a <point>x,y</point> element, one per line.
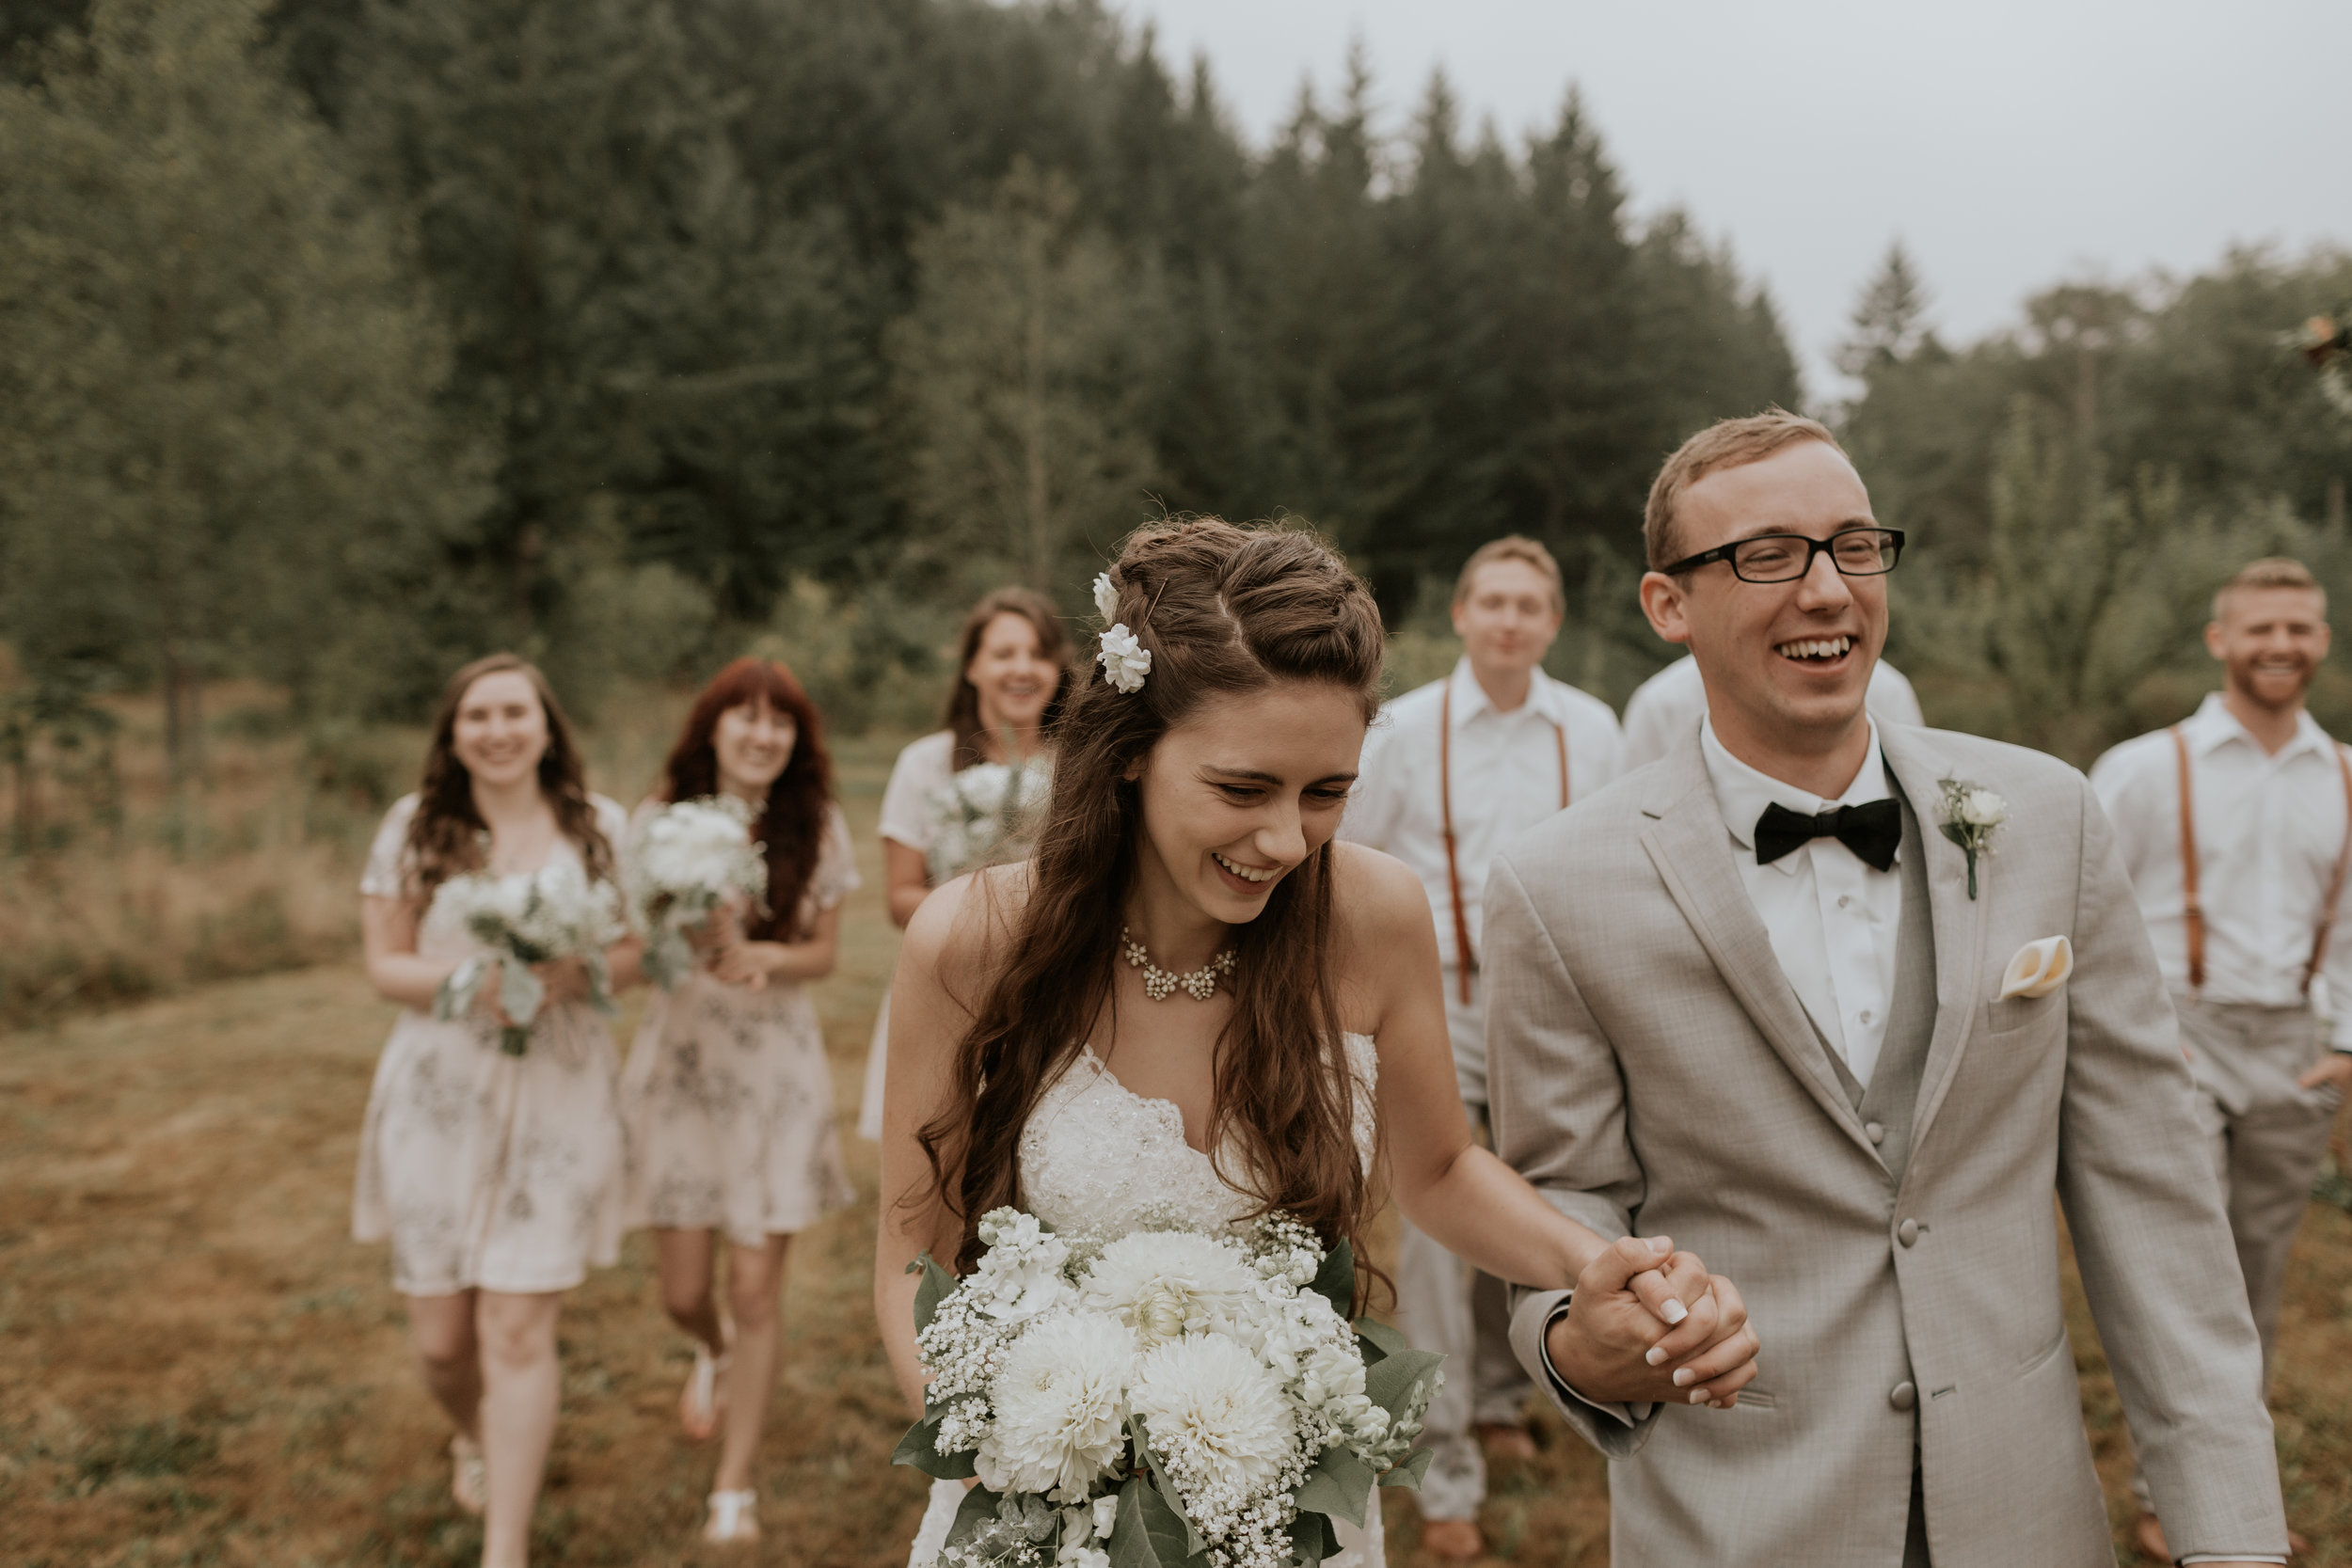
<point>2271,571</point>
<point>1725,444</point>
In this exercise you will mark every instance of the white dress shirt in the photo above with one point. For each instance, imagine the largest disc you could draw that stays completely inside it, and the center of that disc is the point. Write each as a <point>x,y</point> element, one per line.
<point>1832,917</point>
<point>1505,770</point>
<point>1670,705</point>
<point>2268,831</point>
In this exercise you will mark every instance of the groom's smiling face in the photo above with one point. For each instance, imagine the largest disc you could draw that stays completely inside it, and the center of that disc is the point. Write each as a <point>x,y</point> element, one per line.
<point>1784,662</point>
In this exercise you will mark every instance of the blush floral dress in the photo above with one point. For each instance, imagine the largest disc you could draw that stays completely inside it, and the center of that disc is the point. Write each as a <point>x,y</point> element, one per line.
<point>486,1170</point>
<point>729,1096</point>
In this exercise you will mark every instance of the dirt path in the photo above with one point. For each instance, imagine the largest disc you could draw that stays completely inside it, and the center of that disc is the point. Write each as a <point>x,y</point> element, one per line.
<point>198,1365</point>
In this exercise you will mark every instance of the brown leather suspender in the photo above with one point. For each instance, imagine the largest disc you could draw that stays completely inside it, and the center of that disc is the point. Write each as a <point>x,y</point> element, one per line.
<point>1464,959</point>
<point>2194,911</point>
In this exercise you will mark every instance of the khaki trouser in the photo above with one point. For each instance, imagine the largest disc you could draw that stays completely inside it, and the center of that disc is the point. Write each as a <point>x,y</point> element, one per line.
<point>2266,1135</point>
<point>1444,1305</point>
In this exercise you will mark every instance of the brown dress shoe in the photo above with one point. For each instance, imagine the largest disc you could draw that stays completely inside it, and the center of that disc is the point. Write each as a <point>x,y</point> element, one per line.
<point>1452,1540</point>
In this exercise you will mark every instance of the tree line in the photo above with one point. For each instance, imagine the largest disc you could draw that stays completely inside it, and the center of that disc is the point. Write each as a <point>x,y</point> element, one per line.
<point>342,338</point>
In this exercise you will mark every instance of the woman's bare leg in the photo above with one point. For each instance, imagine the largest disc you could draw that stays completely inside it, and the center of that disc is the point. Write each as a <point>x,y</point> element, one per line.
<point>522,1385</point>
<point>441,1332</point>
<point>686,1261</point>
<point>755,1283</point>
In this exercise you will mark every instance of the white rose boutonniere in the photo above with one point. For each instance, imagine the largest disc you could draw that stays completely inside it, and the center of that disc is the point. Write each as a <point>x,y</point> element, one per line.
<point>1971,813</point>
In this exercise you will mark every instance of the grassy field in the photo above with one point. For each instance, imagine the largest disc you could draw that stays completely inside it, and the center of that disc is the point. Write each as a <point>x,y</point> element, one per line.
<point>198,1367</point>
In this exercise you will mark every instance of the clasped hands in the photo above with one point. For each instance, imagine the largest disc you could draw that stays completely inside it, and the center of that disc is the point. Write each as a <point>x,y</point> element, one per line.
<point>1615,1344</point>
<point>732,959</point>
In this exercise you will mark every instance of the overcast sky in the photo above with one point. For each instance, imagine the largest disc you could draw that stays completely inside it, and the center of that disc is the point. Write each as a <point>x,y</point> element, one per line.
<point>2009,143</point>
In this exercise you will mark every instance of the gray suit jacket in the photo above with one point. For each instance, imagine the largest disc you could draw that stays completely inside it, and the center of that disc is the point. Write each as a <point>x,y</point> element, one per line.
<point>1651,1067</point>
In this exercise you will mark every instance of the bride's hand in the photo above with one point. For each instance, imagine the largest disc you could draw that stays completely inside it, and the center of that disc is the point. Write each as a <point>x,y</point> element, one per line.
<point>1615,1345</point>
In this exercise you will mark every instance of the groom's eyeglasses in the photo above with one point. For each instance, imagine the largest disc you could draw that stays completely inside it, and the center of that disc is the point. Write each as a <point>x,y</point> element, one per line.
<point>1856,553</point>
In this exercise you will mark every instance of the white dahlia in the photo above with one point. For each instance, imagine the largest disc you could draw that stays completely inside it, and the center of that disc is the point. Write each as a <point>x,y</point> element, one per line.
<point>1168,1284</point>
<point>1215,1414</point>
<point>1061,1418</point>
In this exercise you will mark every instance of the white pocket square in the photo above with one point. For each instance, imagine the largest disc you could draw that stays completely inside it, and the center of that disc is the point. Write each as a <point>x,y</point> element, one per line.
<point>2039,969</point>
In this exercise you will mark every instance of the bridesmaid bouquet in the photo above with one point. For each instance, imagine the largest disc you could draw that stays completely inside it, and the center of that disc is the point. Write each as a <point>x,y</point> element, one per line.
<point>983,816</point>
<point>1165,1396</point>
<point>537,917</point>
<point>687,858</point>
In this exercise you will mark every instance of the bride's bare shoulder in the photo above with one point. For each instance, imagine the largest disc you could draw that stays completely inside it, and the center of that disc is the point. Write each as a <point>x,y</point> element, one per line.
<point>960,927</point>
<point>1377,903</point>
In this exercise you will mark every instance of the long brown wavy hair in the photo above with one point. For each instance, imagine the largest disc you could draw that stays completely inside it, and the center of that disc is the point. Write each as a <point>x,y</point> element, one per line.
<point>963,703</point>
<point>792,822</point>
<point>1224,611</point>
<point>445,837</point>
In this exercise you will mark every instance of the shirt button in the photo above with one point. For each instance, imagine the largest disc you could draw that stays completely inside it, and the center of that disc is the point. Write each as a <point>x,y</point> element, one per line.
<point>1869,1018</point>
<point>1845,900</point>
<point>1904,1395</point>
<point>1876,1133</point>
<point>1907,1232</point>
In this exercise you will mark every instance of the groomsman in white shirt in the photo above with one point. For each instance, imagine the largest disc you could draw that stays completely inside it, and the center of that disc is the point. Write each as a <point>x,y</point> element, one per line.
<point>2234,827</point>
<point>1670,705</point>
<point>1451,772</point>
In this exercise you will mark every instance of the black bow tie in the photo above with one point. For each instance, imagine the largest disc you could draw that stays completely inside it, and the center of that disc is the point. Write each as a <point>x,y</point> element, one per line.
<point>1871,830</point>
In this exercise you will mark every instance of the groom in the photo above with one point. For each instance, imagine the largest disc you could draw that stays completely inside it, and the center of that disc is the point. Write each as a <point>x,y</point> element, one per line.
<point>1756,997</point>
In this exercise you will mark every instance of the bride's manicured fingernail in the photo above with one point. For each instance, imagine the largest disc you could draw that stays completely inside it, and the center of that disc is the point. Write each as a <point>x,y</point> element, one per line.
<point>1684,1377</point>
<point>1698,1396</point>
<point>1673,1312</point>
<point>1656,1355</point>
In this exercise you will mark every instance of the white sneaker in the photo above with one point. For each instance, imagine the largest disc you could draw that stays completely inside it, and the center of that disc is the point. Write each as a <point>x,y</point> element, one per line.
<point>733,1519</point>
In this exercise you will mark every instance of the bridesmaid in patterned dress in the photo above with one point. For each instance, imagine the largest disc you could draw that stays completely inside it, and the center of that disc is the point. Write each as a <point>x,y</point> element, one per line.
<point>497,1179</point>
<point>727,1097</point>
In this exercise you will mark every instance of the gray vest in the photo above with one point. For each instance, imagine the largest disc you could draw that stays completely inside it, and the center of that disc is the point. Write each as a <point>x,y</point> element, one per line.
<point>1891,1101</point>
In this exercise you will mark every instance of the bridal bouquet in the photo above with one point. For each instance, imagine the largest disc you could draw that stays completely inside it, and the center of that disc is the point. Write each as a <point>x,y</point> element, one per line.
<point>1165,1396</point>
<point>536,917</point>
<point>983,816</point>
<point>687,858</point>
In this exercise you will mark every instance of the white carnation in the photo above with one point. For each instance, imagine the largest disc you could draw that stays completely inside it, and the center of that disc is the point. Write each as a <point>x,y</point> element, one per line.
<point>1216,1414</point>
<point>1060,1411</point>
<point>1124,659</point>
<point>1165,1285</point>
<point>1981,808</point>
<point>1106,598</point>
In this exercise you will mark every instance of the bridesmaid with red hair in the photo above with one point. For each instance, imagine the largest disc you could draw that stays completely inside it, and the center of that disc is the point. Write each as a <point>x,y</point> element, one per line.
<point>727,1096</point>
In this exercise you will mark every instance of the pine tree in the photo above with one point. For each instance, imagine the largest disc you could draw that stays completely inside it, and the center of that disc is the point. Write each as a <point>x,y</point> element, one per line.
<point>216,392</point>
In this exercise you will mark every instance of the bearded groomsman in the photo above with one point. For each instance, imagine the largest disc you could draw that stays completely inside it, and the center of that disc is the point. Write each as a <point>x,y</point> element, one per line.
<point>1842,1008</point>
<point>2234,825</point>
<point>1449,774</point>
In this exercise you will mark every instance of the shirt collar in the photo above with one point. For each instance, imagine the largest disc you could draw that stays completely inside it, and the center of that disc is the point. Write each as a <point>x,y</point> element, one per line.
<point>2212,726</point>
<point>1742,792</point>
<point>1544,696</point>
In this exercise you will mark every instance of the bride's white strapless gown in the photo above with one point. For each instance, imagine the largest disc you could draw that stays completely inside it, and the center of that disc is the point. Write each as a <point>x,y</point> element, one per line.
<point>1098,1158</point>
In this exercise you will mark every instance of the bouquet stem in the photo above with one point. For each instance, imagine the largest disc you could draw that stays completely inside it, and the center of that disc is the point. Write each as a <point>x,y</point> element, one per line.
<point>514,1039</point>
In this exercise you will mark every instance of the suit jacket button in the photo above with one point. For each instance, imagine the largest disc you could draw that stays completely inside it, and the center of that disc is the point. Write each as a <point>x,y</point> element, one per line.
<point>1904,1397</point>
<point>1876,1133</point>
<point>1907,1233</point>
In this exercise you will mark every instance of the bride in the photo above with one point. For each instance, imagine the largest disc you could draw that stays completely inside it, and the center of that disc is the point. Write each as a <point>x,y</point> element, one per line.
<point>1193,1003</point>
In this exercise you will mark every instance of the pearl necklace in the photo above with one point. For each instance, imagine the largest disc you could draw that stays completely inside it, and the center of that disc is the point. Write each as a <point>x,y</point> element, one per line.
<point>1159,984</point>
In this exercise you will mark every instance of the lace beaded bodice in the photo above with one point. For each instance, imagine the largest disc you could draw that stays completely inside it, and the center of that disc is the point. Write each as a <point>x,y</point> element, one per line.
<point>1098,1158</point>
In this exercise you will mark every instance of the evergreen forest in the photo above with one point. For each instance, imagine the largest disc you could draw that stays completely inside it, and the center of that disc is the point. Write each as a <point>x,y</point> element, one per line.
<point>343,340</point>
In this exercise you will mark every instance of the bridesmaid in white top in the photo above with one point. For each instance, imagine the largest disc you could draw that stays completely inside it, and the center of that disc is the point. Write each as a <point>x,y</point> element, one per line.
<point>497,1177</point>
<point>729,1096</point>
<point>1012,673</point>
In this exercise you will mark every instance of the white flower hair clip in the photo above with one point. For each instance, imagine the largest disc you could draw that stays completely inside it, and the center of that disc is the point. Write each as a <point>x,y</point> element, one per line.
<point>1124,659</point>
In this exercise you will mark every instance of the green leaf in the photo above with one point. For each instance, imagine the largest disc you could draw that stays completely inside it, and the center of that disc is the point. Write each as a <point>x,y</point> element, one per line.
<point>937,1282</point>
<point>1313,1538</point>
<point>979,1506</point>
<point>1380,1340</point>
<point>1390,1383</point>
<point>1194,1543</point>
<point>1338,1485</point>
<point>1335,1282</point>
<point>919,1449</point>
<point>1409,1473</point>
<point>1148,1532</point>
